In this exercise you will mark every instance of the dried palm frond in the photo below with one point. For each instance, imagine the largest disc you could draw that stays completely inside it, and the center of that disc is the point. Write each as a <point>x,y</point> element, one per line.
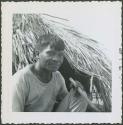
<point>82,53</point>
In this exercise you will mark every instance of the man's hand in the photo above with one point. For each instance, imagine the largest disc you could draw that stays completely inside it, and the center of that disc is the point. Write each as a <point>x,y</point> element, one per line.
<point>77,85</point>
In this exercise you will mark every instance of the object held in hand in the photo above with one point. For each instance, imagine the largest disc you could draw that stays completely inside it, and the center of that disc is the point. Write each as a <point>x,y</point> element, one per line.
<point>83,93</point>
<point>76,84</point>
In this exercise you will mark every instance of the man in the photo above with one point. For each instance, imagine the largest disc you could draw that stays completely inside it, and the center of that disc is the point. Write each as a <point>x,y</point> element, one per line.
<point>37,87</point>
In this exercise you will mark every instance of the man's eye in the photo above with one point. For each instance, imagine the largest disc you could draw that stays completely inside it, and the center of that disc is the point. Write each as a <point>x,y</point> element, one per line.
<point>51,53</point>
<point>61,55</point>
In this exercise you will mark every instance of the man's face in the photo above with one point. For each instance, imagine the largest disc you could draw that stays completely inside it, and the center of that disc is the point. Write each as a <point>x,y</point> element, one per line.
<point>51,59</point>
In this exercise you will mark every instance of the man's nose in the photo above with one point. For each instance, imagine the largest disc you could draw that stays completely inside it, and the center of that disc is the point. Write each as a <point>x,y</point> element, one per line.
<point>56,58</point>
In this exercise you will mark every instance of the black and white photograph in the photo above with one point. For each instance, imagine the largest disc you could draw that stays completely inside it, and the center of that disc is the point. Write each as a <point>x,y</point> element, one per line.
<point>61,62</point>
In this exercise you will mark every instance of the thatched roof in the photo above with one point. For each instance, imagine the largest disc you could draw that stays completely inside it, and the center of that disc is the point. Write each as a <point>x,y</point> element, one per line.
<point>83,53</point>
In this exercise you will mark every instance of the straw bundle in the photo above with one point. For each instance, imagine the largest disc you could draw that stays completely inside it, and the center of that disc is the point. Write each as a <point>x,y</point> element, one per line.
<point>82,53</point>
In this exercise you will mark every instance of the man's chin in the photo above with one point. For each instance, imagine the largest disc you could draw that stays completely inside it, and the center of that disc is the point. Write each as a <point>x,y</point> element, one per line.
<point>54,69</point>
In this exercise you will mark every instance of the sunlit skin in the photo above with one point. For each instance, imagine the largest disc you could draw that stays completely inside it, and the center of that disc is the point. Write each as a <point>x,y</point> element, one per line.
<point>49,61</point>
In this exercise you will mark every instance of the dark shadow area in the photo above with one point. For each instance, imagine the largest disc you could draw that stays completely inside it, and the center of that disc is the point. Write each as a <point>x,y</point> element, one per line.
<point>67,71</point>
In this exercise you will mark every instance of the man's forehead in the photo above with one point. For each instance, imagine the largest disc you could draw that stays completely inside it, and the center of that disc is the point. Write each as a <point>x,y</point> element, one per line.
<point>49,48</point>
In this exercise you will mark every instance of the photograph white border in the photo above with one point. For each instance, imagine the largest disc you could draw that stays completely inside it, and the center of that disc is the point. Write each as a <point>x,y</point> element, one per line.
<point>8,9</point>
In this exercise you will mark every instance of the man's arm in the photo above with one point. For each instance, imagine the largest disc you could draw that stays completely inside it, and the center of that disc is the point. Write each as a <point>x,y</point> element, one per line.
<point>18,93</point>
<point>63,89</point>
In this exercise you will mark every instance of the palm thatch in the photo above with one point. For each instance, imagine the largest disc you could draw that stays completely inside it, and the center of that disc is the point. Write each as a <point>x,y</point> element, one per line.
<point>83,54</point>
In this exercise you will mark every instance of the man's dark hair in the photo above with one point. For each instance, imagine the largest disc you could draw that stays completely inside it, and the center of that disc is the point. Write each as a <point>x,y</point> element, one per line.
<point>50,39</point>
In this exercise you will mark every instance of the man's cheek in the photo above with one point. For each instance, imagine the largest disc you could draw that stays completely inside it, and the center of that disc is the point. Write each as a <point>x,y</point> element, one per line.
<point>43,60</point>
<point>62,60</point>
<point>47,62</point>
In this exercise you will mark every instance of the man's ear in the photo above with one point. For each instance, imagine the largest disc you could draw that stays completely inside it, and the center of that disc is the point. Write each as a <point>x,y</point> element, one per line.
<point>36,55</point>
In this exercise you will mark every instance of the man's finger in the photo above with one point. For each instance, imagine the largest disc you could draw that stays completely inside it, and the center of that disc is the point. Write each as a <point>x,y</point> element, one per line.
<point>73,82</point>
<point>79,85</point>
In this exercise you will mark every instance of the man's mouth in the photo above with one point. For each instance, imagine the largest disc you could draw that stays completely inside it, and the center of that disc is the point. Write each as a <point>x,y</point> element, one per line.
<point>54,66</point>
